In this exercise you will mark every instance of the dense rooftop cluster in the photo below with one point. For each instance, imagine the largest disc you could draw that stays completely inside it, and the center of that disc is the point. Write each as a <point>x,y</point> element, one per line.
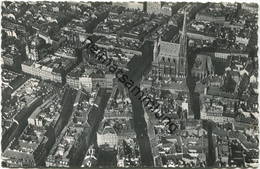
<point>196,61</point>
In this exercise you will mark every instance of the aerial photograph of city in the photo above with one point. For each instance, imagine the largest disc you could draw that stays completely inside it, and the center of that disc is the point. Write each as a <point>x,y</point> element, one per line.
<point>129,84</point>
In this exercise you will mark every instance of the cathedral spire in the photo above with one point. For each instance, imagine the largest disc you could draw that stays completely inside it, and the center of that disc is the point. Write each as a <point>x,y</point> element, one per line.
<point>184,23</point>
<point>183,47</point>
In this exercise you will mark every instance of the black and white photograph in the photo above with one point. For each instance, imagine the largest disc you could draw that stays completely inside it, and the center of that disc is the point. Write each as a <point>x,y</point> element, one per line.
<point>129,84</point>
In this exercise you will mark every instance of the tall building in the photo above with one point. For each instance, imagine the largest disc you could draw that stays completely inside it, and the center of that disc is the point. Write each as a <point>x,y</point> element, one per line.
<point>182,68</point>
<point>31,48</point>
<point>169,59</point>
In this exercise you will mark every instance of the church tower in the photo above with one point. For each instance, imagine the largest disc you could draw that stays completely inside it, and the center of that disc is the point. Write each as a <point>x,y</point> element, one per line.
<point>31,48</point>
<point>34,50</point>
<point>156,48</point>
<point>182,65</point>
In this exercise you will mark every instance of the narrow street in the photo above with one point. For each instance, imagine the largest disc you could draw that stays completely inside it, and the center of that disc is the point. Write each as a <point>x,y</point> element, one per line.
<point>137,70</point>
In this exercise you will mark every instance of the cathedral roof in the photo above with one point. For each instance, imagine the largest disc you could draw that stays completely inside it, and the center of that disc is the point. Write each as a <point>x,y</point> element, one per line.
<point>169,49</point>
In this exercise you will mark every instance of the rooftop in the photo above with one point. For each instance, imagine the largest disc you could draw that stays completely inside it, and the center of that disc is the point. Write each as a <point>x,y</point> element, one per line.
<point>65,52</point>
<point>73,132</point>
<point>119,105</point>
<point>167,48</point>
<point>82,70</point>
<point>119,21</point>
<point>48,113</point>
<point>24,96</point>
<point>29,141</point>
<point>9,77</point>
<point>120,127</point>
<point>125,43</point>
<point>61,149</point>
<point>52,63</point>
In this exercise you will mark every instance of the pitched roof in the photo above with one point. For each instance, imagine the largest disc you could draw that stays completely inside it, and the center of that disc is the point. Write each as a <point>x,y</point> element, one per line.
<point>170,49</point>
